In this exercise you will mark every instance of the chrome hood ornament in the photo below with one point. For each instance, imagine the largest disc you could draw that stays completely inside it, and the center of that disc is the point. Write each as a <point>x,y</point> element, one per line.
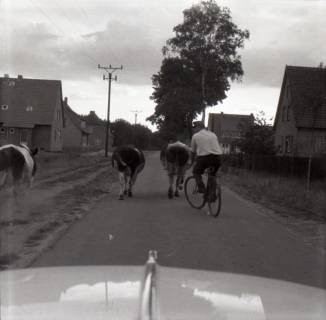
<point>148,295</point>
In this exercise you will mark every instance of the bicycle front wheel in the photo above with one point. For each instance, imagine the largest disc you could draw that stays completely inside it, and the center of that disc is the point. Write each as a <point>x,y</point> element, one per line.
<point>214,200</point>
<point>195,199</point>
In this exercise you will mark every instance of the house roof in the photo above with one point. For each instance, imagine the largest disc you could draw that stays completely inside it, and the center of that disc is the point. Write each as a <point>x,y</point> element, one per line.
<point>93,119</point>
<point>308,95</point>
<point>21,95</point>
<point>75,118</point>
<point>233,122</point>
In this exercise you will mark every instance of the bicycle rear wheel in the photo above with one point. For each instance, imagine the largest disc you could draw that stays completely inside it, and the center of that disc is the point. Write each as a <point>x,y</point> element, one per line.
<point>195,199</point>
<point>214,200</point>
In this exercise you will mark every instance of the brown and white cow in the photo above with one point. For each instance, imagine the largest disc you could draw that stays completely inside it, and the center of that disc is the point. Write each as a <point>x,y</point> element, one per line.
<point>175,158</point>
<point>17,166</point>
<point>129,161</point>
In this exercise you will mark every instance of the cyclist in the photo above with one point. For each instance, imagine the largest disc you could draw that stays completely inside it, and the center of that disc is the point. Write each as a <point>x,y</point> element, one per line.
<point>207,151</point>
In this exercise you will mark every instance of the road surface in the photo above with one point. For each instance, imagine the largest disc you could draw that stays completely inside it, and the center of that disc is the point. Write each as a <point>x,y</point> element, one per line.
<point>243,239</point>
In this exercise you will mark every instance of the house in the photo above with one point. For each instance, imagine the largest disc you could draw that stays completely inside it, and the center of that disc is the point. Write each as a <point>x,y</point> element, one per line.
<point>75,132</point>
<point>229,128</point>
<point>83,132</point>
<point>31,112</point>
<point>98,129</point>
<point>300,121</point>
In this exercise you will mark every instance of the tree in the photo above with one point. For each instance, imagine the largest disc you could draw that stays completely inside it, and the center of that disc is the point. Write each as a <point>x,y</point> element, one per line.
<point>135,134</point>
<point>258,138</point>
<point>141,136</point>
<point>209,41</point>
<point>122,132</point>
<point>177,99</point>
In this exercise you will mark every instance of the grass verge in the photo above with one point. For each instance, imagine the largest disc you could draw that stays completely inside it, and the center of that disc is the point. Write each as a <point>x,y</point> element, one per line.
<point>285,194</point>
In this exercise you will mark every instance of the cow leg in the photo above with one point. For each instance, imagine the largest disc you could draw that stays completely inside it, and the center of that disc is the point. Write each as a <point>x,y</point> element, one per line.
<point>3,177</point>
<point>170,191</point>
<point>122,184</point>
<point>128,185</point>
<point>177,182</point>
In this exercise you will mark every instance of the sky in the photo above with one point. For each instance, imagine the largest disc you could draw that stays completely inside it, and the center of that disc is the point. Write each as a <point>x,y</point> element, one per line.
<point>67,39</point>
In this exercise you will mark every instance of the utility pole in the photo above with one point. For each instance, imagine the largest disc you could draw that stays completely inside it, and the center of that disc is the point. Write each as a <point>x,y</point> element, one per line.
<point>109,70</point>
<point>136,114</point>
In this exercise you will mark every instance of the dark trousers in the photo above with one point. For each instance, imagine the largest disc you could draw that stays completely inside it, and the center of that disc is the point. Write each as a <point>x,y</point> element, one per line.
<point>204,162</point>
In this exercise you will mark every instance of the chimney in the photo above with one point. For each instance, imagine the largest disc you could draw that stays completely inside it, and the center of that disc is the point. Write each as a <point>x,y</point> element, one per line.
<point>20,77</point>
<point>66,101</point>
<point>6,75</point>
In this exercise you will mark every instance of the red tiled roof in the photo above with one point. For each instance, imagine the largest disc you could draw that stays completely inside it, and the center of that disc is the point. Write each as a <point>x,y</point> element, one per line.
<point>308,92</point>
<point>19,93</point>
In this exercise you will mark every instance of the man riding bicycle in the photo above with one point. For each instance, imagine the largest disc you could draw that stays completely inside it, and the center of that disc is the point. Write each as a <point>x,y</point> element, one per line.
<point>207,151</point>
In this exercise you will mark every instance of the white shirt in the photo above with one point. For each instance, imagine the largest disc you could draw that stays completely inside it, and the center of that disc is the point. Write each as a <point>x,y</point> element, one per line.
<point>204,143</point>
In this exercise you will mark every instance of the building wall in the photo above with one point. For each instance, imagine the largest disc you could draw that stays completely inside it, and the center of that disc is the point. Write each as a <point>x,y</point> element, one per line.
<point>285,129</point>
<point>72,137</point>
<point>13,135</point>
<point>311,142</point>
<point>57,126</point>
<point>42,137</point>
<point>97,137</point>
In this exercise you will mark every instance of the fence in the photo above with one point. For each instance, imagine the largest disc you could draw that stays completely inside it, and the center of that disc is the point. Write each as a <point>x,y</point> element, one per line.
<point>285,166</point>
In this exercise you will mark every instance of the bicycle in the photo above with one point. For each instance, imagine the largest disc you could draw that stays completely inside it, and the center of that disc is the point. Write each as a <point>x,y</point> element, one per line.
<point>212,195</point>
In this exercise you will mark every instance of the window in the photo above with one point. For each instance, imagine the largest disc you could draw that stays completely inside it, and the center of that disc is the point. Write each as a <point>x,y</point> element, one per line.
<point>4,107</point>
<point>2,130</point>
<point>288,113</point>
<point>288,144</point>
<point>29,108</point>
<point>282,145</point>
<point>24,137</point>
<point>285,113</point>
<point>320,144</point>
<point>11,130</point>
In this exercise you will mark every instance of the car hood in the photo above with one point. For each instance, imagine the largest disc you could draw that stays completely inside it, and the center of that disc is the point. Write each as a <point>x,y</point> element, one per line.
<point>113,292</point>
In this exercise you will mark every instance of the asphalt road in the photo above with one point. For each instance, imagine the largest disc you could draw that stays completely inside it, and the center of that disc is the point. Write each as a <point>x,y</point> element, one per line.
<point>243,239</point>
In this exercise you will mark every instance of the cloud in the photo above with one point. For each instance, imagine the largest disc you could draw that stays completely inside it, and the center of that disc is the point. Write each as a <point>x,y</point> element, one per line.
<point>281,33</point>
<point>69,41</point>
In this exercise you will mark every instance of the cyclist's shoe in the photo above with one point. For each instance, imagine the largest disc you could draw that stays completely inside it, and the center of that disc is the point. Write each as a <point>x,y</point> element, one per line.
<point>176,193</point>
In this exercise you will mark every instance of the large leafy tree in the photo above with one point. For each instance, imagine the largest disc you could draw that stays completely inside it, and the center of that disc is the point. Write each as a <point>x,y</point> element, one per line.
<point>208,41</point>
<point>177,98</point>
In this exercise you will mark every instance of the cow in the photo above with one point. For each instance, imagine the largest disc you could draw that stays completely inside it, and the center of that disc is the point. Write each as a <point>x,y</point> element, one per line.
<point>175,158</point>
<point>129,161</point>
<point>17,164</point>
